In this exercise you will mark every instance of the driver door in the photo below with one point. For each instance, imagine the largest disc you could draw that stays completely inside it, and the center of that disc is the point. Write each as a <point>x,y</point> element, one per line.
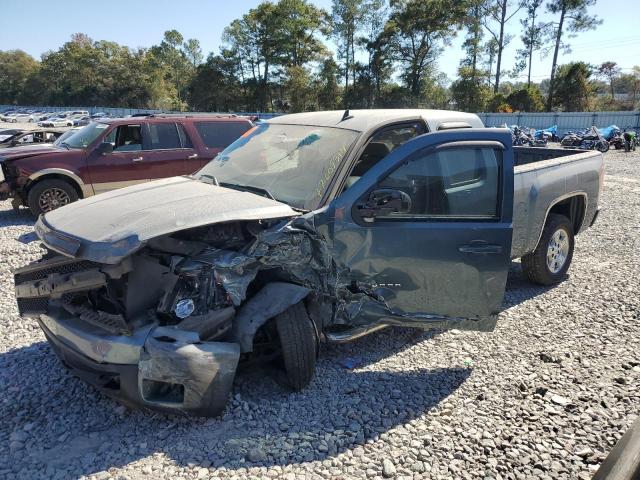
<point>428,230</point>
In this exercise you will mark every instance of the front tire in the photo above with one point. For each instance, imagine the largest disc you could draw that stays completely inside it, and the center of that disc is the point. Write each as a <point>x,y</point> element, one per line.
<point>299,345</point>
<point>549,262</point>
<point>50,194</point>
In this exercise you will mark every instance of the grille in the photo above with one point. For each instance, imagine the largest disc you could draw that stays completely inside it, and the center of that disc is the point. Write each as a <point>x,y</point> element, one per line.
<point>40,270</point>
<point>56,265</point>
<point>32,305</point>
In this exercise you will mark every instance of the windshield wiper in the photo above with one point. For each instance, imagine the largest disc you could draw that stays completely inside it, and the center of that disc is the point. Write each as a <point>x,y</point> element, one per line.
<point>66,145</point>
<point>248,188</point>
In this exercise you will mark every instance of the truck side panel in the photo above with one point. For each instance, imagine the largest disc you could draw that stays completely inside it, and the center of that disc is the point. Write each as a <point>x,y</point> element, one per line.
<point>538,186</point>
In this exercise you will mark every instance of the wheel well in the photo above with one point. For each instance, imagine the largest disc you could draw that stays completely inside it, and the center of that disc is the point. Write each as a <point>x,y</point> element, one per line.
<point>58,176</point>
<point>573,208</point>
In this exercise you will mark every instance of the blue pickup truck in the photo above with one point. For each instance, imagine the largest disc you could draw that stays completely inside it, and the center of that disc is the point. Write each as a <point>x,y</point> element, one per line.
<point>313,227</point>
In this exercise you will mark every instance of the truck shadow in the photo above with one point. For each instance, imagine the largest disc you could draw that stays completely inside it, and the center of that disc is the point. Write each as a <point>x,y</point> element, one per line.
<point>73,430</point>
<point>519,289</point>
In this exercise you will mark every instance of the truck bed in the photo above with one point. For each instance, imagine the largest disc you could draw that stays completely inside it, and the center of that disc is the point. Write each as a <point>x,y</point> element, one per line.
<point>542,178</point>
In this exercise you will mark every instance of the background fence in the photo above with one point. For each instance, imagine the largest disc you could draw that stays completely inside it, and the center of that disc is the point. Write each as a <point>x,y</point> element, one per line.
<point>564,120</point>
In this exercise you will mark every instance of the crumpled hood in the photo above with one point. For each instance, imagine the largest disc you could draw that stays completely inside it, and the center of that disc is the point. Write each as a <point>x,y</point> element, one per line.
<point>29,151</point>
<point>108,227</point>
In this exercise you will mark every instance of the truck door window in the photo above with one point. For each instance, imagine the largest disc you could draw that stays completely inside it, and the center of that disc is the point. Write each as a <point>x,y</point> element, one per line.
<point>125,138</point>
<point>451,184</point>
<point>382,144</point>
<point>164,136</point>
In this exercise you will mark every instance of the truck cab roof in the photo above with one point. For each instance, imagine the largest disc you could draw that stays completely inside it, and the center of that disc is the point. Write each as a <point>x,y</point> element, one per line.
<point>363,120</point>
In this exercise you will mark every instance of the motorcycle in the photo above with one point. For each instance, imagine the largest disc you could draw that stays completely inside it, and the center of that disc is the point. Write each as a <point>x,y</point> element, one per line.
<point>617,141</point>
<point>590,139</point>
<point>549,134</point>
<point>521,136</point>
<point>630,139</point>
<point>609,132</point>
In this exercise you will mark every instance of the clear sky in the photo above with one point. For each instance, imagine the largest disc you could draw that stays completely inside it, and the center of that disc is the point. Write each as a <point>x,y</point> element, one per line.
<point>36,26</point>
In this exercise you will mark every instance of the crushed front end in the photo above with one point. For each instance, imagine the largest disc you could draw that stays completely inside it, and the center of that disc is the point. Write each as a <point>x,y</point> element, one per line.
<point>119,327</point>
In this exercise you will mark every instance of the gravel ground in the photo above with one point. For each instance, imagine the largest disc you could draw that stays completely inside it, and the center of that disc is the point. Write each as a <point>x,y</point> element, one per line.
<point>544,396</point>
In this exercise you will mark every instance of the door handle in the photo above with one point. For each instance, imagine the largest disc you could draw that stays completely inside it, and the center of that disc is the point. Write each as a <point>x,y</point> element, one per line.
<point>191,157</point>
<point>480,248</point>
<point>137,159</point>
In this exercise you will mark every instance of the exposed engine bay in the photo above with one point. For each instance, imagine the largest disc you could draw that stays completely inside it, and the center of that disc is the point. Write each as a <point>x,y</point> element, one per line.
<point>193,280</point>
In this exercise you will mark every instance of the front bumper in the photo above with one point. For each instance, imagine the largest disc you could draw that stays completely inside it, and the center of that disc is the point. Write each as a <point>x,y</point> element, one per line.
<point>167,369</point>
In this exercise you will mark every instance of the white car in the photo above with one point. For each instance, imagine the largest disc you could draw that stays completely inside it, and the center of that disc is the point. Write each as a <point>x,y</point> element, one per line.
<point>57,122</point>
<point>21,118</point>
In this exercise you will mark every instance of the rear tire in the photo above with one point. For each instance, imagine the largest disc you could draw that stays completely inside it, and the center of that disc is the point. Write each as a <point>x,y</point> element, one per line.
<point>299,345</point>
<point>549,262</point>
<point>50,194</point>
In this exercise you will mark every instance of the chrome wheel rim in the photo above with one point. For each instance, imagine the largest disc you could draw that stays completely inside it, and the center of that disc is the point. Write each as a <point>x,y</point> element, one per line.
<point>557,250</point>
<point>53,198</point>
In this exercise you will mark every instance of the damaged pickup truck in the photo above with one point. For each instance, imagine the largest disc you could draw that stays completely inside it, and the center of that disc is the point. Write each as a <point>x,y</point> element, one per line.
<point>314,227</point>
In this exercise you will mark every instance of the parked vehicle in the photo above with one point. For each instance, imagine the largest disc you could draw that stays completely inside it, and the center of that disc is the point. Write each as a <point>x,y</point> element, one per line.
<point>630,137</point>
<point>81,121</point>
<point>110,154</point>
<point>588,139</point>
<point>7,133</point>
<point>608,132</point>
<point>61,121</point>
<point>313,226</point>
<point>521,136</point>
<point>30,137</point>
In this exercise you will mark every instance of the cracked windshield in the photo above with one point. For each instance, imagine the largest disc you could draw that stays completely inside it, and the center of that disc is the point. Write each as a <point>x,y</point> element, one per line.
<point>292,163</point>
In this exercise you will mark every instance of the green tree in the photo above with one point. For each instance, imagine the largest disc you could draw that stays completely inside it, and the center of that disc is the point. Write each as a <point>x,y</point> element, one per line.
<point>16,70</point>
<point>327,88</point>
<point>172,59</point>
<point>193,52</point>
<point>346,16</point>
<point>573,17</point>
<point>473,41</point>
<point>417,31</point>
<point>528,99</point>
<point>610,71</point>
<point>532,36</point>
<point>497,14</point>
<point>573,87</point>
<point>469,91</point>
<point>215,87</point>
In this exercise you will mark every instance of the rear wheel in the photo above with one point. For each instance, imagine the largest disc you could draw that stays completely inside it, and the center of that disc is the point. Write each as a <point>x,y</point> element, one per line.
<point>50,194</point>
<point>549,262</point>
<point>299,345</point>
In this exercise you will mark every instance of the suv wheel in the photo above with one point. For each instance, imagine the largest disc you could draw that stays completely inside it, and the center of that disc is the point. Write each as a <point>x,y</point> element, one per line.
<point>50,194</point>
<point>299,345</point>
<point>549,262</point>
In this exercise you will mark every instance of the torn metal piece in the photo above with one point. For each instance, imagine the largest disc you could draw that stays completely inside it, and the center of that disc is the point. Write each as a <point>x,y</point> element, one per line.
<point>273,299</point>
<point>178,371</point>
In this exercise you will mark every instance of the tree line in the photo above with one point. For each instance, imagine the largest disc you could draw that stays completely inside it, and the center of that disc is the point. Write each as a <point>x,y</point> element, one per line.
<point>275,58</point>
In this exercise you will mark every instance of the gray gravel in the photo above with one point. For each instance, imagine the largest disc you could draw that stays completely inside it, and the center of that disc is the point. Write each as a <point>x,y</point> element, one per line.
<point>545,396</point>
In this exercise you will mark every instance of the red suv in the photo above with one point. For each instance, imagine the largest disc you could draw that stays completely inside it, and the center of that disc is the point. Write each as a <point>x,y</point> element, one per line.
<point>109,154</point>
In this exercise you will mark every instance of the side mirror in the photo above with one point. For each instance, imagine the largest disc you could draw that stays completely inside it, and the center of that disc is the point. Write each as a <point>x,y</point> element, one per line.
<point>382,202</point>
<point>104,148</point>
